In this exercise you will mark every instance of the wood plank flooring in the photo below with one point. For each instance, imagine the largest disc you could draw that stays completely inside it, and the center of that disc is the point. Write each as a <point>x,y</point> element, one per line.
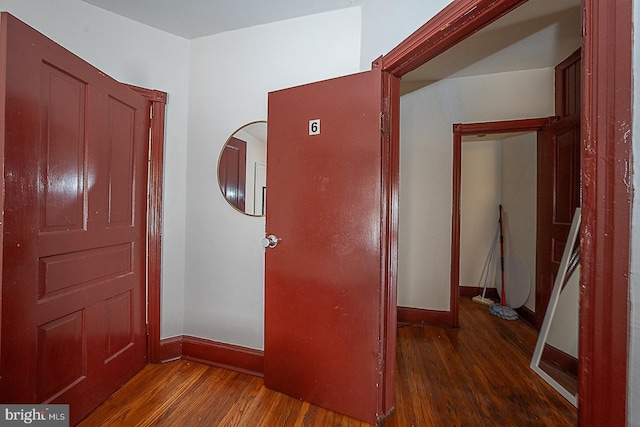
<point>477,375</point>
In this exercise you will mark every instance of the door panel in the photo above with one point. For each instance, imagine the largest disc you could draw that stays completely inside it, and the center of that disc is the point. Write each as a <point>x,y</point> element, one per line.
<point>120,167</point>
<point>63,102</point>
<point>323,286</point>
<point>559,172</point>
<point>558,197</point>
<point>73,320</point>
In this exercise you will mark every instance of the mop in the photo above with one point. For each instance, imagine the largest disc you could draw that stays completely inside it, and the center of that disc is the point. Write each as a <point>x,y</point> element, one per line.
<point>502,310</point>
<point>486,274</point>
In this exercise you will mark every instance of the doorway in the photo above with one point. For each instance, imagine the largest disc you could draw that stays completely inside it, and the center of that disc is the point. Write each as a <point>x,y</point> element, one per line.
<point>467,84</point>
<point>606,200</point>
<point>505,154</point>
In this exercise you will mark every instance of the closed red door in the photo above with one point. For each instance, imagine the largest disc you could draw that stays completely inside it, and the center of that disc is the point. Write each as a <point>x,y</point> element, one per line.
<point>75,178</point>
<point>324,293</point>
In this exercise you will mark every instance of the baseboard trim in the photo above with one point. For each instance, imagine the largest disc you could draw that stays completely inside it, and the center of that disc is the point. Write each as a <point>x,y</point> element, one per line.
<point>221,355</point>
<point>443,319</point>
<point>472,291</point>
<point>528,316</point>
<point>170,349</point>
<point>564,361</point>
<point>228,356</point>
<point>251,361</point>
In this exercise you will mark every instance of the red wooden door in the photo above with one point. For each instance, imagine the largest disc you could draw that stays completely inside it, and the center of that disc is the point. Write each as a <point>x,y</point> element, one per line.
<point>323,287</point>
<point>75,174</point>
<point>559,172</point>
<point>558,189</point>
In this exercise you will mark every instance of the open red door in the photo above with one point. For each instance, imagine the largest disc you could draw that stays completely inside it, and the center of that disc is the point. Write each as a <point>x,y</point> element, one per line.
<point>325,293</point>
<point>75,187</point>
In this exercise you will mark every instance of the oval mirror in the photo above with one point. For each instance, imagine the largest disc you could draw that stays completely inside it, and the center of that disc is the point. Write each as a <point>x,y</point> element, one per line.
<point>242,168</point>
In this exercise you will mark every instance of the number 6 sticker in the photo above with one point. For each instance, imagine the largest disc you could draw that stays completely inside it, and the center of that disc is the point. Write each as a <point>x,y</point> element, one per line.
<point>314,127</point>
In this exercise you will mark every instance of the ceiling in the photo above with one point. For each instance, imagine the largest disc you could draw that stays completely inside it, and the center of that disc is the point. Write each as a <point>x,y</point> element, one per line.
<point>538,34</point>
<point>197,18</point>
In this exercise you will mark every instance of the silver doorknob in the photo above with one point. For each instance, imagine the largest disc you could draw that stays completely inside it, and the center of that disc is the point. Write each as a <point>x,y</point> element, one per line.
<point>270,241</point>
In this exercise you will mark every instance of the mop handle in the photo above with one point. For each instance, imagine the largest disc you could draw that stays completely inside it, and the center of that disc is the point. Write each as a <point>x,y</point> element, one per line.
<point>504,297</point>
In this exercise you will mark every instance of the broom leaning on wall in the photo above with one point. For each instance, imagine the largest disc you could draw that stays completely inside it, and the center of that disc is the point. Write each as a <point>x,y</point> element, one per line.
<point>502,310</point>
<point>488,272</point>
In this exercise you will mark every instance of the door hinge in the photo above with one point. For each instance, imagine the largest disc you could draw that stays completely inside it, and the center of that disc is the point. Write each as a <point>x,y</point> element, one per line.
<point>384,123</point>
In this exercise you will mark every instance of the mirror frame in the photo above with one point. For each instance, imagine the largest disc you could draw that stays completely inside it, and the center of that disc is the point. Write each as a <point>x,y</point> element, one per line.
<point>563,273</point>
<point>220,159</point>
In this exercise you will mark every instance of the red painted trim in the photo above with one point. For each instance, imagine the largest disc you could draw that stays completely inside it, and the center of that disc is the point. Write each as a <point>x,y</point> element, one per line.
<point>3,130</point>
<point>529,316</point>
<point>457,21</point>
<point>559,358</point>
<point>563,103</point>
<point>459,130</point>
<point>606,212</point>
<point>607,78</point>
<point>157,100</point>
<point>227,356</point>
<point>208,352</point>
<point>454,299</point>
<point>441,319</point>
<point>520,125</point>
<point>389,238</point>
<point>169,349</point>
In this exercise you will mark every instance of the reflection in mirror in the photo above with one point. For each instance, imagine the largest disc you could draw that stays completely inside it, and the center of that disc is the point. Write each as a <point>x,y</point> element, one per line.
<point>556,353</point>
<point>242,168</point>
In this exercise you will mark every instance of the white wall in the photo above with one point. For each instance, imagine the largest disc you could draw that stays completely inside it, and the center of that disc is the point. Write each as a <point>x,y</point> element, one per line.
<point>519,194</point>
<point>386,23</point>
<point>480,195</point>
<point>427,116</point>
<point>633,410</point>
<point>424,239</point>
<point>231,74</point>
<point>140,55</point>
<point>501,171</point>
<point>564,328</point>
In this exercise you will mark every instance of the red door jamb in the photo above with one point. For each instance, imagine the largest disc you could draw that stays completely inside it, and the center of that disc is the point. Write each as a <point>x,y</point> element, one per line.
<point>606,137</point>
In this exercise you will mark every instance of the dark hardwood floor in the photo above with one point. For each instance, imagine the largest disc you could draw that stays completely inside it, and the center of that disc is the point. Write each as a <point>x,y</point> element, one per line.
<point>477,375</point>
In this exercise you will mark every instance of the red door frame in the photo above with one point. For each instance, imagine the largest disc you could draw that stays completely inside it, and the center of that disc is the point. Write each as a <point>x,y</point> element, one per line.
<point>460,130</point>
<point>157,101</point>
<point>606,225</point>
